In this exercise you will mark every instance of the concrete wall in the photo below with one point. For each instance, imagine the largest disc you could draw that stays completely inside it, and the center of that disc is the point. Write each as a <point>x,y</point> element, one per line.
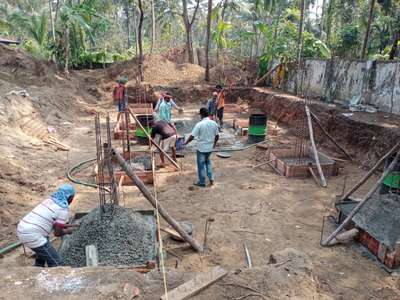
<point>376,83</point>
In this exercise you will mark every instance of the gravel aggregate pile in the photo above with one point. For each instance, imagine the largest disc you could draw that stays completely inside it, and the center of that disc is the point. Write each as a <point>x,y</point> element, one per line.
<point>124,239</point>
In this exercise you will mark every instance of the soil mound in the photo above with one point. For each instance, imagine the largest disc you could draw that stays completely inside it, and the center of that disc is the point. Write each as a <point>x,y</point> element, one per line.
<point>158,70</point>
<point>21,64</point>
<point>288,275</point>
<point>229,75</point>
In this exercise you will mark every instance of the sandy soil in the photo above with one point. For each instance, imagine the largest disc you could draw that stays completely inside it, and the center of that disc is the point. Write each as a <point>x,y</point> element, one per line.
<point>266,211</point>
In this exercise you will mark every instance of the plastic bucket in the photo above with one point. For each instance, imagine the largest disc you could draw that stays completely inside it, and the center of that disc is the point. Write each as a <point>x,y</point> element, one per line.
<point>258,119</point>
<point>180,143</point>
<point>141,133</point>
<point>145,120</point>
<point>257,130</point>
<point>142,140</point>
<point>392,180</point>
<point>253,139</point>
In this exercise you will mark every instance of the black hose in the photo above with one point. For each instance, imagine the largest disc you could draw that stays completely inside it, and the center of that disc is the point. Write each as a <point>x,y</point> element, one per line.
<point>74,169</point>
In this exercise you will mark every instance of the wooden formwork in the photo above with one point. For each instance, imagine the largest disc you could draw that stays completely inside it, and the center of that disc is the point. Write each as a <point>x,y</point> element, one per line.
<point>389,257</point>
<point>151,264</point>
<point>145,176</point>
<point>277,157</point>
<point>141,108</point>
<point>119,132</point>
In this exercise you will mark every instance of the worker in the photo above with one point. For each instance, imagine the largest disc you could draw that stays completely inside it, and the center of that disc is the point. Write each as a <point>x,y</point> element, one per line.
<point>164,111</point>
<point>120,96</point>
<point>164,134</point>
<point>220,106</point>
<point>206,132</point>
<point>52,214</point>
<point>212,106</point>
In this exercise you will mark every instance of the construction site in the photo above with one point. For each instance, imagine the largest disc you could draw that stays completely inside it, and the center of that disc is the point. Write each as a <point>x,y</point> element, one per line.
<point>306,208</point>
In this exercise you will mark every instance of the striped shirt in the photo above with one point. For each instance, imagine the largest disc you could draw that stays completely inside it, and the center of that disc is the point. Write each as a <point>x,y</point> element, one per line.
<point>36,226</point>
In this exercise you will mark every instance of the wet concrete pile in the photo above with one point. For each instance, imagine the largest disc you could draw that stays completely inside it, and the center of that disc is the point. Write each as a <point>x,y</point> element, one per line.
<point>125,239</point>
<point>142,163</point>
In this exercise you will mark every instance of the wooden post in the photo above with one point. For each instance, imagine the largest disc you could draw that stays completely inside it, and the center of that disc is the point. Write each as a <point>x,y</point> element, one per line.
<point>370,172</point>
<point>313,174</point>
<point>195,285</point>
<point>147,194</point>
<point>362,202</point>
<point>316,120</point>
<point>92,257</point>
<point>153,142</point>
<point>314,148</point>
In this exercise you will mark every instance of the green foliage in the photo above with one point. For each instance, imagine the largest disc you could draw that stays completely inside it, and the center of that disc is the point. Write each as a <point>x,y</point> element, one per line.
<point>281,42</point>
<point>348,40</point>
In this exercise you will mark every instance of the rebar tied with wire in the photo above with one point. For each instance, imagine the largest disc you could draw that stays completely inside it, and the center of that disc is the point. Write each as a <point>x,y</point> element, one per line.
<point>108,197</point>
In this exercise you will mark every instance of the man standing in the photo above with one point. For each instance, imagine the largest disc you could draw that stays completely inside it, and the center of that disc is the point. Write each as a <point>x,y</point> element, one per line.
<point>166,97</point>
<point>34,229</point>
<point>206,132</point>
<point>221,104</point>
<point>212,107</point>
<point>164,134</point>
<point>161,99</point>
<point>164,110</point>
<point>120,96</point>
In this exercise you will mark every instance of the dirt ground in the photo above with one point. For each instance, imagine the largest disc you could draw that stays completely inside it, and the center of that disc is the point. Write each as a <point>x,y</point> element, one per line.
<point>268,212</point>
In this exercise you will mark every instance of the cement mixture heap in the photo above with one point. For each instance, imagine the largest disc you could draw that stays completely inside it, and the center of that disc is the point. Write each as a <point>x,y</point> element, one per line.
<point>124,239</point>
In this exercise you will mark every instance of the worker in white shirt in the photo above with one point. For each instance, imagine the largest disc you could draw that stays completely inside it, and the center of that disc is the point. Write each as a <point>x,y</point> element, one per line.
<point>51,214</point>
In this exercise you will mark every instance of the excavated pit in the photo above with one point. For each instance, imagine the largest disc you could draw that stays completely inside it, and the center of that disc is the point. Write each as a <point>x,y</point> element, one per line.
<point>126,238</point>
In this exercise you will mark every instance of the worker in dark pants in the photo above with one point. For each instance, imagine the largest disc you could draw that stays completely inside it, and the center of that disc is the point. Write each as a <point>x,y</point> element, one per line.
<point>164,134</point>
<point>220,105</point>
<point>51,214</point>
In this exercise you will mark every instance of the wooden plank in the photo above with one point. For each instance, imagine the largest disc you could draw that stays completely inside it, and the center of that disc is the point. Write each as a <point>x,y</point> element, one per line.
<point>196,285</point>
<point>172,232</point>
<point>92,257</point>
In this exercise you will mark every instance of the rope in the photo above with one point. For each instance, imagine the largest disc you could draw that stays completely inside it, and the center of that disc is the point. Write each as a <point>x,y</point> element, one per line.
<point>159,226</point>
<point>155,197</point>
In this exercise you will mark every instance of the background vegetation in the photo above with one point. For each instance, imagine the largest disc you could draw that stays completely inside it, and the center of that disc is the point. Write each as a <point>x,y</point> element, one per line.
<point>92,33</point>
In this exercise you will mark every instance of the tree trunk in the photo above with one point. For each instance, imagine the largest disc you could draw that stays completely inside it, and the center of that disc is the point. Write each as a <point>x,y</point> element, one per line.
<point>207,77</point>
<point>53,32</point>
<point>153,27</point>
<point>396,40</point>
<point>66,49</point>
<point>300,30</point>
<point>135,25</point>
<point>224,5</point>
<point>128,28</point>
<point>300,44</point>
<point>321,27</point>
<point>329,22</point>
<point>140,40</point>
<point>57,10</point>
<point>188,27</point>
<point>367,32</point>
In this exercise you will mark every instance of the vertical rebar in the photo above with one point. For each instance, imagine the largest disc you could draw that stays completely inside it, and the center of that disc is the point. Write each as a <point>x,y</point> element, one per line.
<point>100,162</point>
